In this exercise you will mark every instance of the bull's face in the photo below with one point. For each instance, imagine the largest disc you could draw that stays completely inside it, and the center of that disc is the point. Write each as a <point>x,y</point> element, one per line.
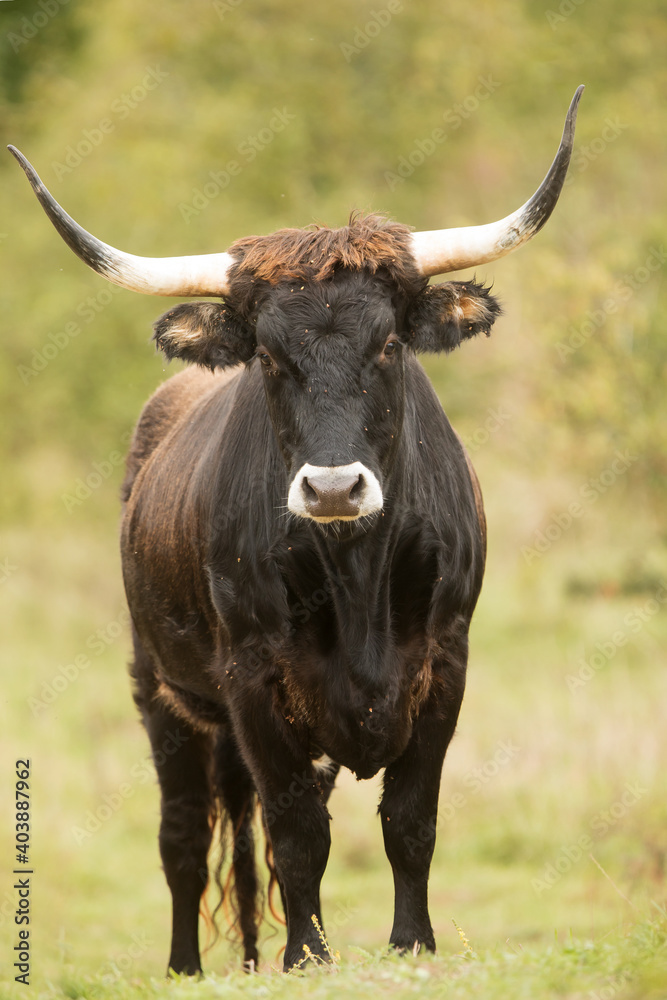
<point>332,358</point>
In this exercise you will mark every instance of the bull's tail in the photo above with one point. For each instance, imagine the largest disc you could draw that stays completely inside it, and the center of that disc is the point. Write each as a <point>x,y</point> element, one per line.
<point>240,896</point>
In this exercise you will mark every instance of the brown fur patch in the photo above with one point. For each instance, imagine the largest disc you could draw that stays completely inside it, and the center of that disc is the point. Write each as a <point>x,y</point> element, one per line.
<point>202,716</point>
<point>368,243</point>
<point>474,310</point>
<point>458,305</point>
<point>421,686</point>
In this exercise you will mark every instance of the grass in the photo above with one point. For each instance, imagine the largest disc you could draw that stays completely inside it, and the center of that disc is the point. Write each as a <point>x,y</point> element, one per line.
<point>628,964</point>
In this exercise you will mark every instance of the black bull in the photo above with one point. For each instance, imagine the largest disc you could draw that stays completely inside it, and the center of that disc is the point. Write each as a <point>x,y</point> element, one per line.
<point>287,646</point>
<point>303,547</point>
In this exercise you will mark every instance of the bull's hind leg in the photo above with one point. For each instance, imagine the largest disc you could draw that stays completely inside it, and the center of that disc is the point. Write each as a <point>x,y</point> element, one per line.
<point>182,759</point>
<point>235,787</point>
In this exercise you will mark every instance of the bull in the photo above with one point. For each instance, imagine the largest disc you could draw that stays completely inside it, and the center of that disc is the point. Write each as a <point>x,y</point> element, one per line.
<point>303,545</point>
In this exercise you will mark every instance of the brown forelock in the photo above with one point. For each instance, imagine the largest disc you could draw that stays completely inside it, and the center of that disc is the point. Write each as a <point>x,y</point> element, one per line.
<point>370,243</point>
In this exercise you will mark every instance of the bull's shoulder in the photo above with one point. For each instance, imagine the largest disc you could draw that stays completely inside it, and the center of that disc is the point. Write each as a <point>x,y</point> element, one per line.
<point>170,404</point>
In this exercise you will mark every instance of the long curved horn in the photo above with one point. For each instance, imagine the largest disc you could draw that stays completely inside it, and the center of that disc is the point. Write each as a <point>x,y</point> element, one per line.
<point>441,250</point>
<point>202,274</point>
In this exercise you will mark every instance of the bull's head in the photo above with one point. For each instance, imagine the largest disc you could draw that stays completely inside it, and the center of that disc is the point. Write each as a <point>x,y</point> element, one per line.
<point>327,315</point>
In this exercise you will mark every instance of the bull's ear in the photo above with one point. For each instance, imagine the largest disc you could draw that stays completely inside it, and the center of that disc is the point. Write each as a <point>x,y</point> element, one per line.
<point>444,315</point>
<point>205,333</point>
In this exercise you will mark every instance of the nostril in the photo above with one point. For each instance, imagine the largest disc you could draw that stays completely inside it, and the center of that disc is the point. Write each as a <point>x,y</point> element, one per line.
<point>357,489</point>
<point>309,492</point>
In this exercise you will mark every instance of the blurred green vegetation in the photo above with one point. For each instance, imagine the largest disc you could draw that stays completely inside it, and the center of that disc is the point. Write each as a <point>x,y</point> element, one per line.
<point>573,374</point>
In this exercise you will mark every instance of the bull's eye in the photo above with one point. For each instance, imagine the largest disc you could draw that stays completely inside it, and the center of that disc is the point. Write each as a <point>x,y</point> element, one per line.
<point>390,349</point>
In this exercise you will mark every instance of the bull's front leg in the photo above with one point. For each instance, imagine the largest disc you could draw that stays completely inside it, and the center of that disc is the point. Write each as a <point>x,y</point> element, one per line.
<point>295,814</point>
<point>409,810</point>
